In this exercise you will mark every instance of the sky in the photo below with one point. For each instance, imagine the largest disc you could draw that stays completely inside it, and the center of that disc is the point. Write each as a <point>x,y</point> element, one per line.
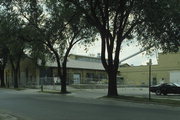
<point>127,50</point>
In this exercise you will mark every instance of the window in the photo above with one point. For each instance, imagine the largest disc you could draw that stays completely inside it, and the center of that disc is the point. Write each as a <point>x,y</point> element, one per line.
<point>90,77</point>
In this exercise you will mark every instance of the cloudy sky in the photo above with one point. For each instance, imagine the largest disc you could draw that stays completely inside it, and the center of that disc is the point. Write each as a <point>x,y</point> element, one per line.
<point>127,50</point>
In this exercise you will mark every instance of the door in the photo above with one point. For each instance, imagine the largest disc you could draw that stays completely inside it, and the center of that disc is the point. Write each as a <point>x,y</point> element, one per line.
<point>170,88</point>
<point>76,78</point>
<point>175,77</point>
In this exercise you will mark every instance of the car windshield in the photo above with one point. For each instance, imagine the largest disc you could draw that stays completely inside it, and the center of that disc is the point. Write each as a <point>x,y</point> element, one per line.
<point>177,84</point>
<point>157,85</point>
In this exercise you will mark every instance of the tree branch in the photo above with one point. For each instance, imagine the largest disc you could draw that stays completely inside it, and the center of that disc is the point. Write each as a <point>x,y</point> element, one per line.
<point>130,29</point>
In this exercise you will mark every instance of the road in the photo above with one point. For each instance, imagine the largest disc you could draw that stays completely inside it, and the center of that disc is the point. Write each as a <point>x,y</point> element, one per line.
<point>39,106</point>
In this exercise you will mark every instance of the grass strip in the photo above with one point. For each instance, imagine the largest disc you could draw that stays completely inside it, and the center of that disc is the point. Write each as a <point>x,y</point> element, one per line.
<point>164,101</point>
<point>54,92</point>
<point>17,89</point>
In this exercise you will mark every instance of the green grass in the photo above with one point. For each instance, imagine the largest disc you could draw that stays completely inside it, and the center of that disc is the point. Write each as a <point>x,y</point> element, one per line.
<point>160,101</point>
<point>18,89</point>
<point>146,100</point>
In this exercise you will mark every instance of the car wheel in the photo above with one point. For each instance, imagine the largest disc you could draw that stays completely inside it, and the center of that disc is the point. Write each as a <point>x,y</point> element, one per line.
<point>158,92</point>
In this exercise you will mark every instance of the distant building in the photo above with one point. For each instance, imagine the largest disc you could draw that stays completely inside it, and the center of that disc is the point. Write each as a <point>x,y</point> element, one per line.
<point>80,70</point>
<point>167,70</point>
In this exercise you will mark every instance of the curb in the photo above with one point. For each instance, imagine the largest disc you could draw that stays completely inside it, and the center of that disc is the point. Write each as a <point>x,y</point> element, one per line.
<point>7,116</point>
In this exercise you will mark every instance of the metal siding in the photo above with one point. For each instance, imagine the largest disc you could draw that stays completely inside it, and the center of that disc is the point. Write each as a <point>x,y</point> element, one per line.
<point>175,76</point>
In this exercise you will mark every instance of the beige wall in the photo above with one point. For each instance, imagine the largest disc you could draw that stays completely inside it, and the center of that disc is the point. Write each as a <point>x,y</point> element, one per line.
<point>28,74</point>
<point>134,75</point>
<point>169,60</point>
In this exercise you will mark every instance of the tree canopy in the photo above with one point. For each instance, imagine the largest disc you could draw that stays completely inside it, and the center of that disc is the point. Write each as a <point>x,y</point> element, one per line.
<point>50,28</point>
<point>11,28</point>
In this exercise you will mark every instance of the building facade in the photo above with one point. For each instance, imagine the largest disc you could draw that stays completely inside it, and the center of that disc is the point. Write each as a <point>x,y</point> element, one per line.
<point>89,70</point>
<point>80,70</point>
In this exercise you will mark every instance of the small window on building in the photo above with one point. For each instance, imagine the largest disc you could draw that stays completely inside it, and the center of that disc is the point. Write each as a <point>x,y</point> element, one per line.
<point>90,77</point>
<point>120,80</point>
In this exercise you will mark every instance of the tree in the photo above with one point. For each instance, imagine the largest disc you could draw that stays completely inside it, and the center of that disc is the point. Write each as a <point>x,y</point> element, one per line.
<point>3,61</point>
<point>119,20</point>
<point>3,48</point>
<point>72,29</point>
<point>3,56</point>
<point>58,28</point>
<point>12,27</point>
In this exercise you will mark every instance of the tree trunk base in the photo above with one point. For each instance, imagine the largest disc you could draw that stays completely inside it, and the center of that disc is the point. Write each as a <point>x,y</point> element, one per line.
<point>66,92</point>
<point>112,95</point>
<point>112,85</point>
<point>2,86</point>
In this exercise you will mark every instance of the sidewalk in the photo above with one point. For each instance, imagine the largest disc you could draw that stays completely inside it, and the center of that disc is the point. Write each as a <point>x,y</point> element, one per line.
<point>6,116</point>
<point>97,93</point>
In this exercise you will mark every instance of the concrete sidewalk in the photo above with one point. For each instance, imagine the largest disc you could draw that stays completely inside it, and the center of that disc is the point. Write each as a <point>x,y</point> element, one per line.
<point>97,93</point>
<point>7,116</point>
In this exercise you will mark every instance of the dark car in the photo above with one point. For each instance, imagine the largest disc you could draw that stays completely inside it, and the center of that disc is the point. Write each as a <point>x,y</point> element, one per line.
<point>166,88</point>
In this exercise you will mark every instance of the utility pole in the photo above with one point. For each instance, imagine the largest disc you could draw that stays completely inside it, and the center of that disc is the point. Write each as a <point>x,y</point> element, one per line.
<point>150,63</point>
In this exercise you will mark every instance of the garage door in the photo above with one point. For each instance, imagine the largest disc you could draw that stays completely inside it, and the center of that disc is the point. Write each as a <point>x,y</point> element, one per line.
<point>175,77</point>
<point>76,78</point>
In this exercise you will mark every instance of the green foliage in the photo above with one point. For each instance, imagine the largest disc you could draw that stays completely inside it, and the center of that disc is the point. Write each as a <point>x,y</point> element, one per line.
<point>161,26</point>
<point>11,31</point>
<point>60,29</point>
<point>39,26</point>
<point>154,22</point>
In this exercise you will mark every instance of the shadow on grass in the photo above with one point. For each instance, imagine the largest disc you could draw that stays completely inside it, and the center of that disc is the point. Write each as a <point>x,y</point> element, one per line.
<point>17,89</point>
<point>170,102</point>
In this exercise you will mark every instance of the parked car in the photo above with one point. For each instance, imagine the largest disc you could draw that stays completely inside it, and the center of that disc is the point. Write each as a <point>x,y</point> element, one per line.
<point>166,88</point>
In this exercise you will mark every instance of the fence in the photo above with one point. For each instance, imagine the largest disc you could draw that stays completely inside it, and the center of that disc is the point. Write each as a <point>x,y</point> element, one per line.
<point>54,83</point>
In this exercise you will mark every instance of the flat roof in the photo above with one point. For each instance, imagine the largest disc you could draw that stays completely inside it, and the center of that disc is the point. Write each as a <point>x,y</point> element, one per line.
<point>78,64</point>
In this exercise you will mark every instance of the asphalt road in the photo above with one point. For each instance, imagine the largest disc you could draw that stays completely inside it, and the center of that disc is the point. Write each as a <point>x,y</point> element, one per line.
<point>64,107</point>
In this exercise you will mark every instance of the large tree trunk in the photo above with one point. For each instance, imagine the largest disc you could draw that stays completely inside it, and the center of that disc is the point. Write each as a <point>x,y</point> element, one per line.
<point>60,71</point>
<point>2,77</point>
<point>64,71</point>
<point>112,85</point>
<point>61,76</point>
<point>63,82</point>
<point>15,68</point>
<point>110,65</point>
